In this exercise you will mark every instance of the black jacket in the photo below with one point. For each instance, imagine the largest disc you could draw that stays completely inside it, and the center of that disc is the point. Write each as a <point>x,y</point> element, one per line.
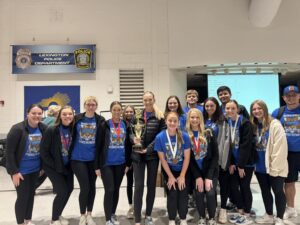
<point>247,152</point>
<point>210,167</point>
<point>51,148</point>
<point>16,142</point>
<point>243,111</point>
<point>101,139</point>
<point>151,129</point>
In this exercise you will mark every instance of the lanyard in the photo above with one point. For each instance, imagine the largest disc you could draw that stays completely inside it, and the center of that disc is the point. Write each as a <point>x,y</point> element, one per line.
<point>66,140</point>
<point>173,150</point>
<point>232,131</point>
<point>196,144</point>
<point>117,131</point>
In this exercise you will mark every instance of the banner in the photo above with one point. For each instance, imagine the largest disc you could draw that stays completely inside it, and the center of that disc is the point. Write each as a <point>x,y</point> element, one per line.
<point>30,59</point>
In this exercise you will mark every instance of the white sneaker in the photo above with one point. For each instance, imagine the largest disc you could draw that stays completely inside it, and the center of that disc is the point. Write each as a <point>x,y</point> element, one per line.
<point>211,222</point>
<point>279,221</point>
<point>63,220</point>
<point>235,217</point>
<point>172,222</point>
<point>183,222</point>
<point>201,221</point>
<point>149,221</point>
<point>114,219</point>
<point>130,213</point>
<point>222,216</point>
<point>244,220</point>
<point>290,213</point>
<point>82,220</point>
<point>56,222</point>
<point>109,223</point>
<point>89,220</point>
<point>265,219</point>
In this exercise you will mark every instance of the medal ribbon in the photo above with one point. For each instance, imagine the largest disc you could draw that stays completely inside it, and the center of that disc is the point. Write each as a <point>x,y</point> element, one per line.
<point>232,131</point>
<point>197,145</point>
<point>173,150</point>
<point>117,131</point>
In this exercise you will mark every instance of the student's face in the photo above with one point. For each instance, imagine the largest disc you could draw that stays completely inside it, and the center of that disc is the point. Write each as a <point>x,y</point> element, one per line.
<point>231,110</point>
<point>148,101</point>
<point>191,99</point>
<point>210,107</point>
<point>34,116</point>
<point>128,113</point>
<point>291,99</point>
<point>257,112</point>
<point>90,106</point>
<point>66,116</point>
<point>194,119</point>
<point>116,111</point>
<point>224,97</point>
<point>172,122</point>
<point>173,104</point>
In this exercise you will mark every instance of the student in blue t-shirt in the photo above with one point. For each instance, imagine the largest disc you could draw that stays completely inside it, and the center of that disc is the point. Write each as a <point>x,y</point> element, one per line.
<point>192,98</point>
<point>290,119</point>
<point>55,149</point>
<point>242,162</point>
<point>117,162</point>
<point>173,148</point>
<point>87,155</point>
<point>23,160</point>
<point>271,168</point>
<point>173,105</point>
<point>204,165</point>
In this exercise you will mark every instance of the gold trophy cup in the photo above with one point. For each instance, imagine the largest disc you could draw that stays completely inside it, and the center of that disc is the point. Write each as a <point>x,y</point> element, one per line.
<point>138,131</point>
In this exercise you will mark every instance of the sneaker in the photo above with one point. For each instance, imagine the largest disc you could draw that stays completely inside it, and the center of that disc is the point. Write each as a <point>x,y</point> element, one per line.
<point>90,220</point>
<point>109,223</point>
<point>230,206</point>
<point>130,213</point>
<point>149,221</point>
<point>243,220</point>
<point>252,213</point>
<point>222,216</point>
<point>56,222</point>
<point>234,218</point>
<point>201,221</point>
<point>211,222</point>
<point>114,219</point>
<point>63,220</point>
<point>289,213</point>
<point>279,221</point>
<point>265,219</point>
<point>183,222</point>
<point>82,220</point>
<point>172,222</point>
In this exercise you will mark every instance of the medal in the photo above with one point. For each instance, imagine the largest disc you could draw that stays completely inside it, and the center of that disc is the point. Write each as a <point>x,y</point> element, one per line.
<point>232,131</point>
<point>117,131</point>
<point>173,150</point>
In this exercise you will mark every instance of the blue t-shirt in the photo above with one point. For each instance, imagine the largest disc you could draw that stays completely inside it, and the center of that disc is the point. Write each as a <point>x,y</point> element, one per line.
<point>162,145</point>
<point>236,142</point>
<point>116,149</point>
<point>201,153</point>
<point>31,161</point>
<point>182,122</point>
<point>85,143</point>
<point>291,123</point>
<point>261,145</point>
<point>66,139</point>
<point>187,109</point>
<point>210,124</point>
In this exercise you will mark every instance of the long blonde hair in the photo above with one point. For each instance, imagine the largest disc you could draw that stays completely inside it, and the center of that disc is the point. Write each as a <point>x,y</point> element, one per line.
<point>266,119</point>
<point>201,127</point>
<point>158,113</point>
<point>178,131</point>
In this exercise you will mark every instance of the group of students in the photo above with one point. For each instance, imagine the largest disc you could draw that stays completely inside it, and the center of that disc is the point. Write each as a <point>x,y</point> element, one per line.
<point>197,146</point>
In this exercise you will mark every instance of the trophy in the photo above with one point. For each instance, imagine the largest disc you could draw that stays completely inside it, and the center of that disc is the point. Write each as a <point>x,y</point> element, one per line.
<point>138,131</point>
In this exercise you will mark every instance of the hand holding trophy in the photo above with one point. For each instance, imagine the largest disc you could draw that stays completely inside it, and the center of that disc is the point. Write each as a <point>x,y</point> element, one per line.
<point>138,132</point>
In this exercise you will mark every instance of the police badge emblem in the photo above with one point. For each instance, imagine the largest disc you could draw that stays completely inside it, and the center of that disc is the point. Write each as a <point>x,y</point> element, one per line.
<point>23,59</point>
<point>82,58</point>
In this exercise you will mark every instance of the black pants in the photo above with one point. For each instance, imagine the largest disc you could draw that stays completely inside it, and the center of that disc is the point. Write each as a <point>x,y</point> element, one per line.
<point>139,178</point>
<point>210,201</point>
<point>224,181</point>
<point>63,186</point>
<point>177,201</point>
<point>86,176</point>
<point>266,182</point>
<point>25,197</point>
<point>129,176</point>
<point>240,188</point>
<point>112,177</point>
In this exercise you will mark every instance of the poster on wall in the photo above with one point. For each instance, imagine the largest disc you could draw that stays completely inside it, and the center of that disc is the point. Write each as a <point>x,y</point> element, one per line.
<point>52,95</point>
<point>31,59</point>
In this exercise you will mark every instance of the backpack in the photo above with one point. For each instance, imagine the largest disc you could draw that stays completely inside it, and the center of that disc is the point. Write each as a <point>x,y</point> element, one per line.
<point>280,112</point>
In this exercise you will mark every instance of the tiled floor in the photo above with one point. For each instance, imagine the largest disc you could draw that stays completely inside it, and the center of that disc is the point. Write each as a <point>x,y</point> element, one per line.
<point>44,198</point>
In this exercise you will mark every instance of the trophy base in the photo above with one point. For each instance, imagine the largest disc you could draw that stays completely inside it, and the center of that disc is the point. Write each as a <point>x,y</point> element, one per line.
<point>137,148</point>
